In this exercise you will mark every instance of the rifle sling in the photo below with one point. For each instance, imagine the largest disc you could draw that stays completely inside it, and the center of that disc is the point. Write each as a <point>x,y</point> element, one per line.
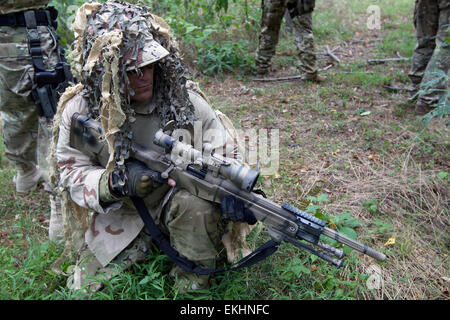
<point>161,241</point>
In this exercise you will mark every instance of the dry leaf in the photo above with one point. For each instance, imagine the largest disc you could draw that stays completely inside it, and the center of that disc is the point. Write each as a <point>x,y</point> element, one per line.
<point>390,242</point>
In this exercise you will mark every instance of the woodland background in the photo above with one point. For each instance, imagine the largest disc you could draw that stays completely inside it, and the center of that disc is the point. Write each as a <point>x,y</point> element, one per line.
<point>350,153</point>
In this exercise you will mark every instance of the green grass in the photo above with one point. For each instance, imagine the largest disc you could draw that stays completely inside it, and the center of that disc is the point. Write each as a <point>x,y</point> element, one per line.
<point>381,169</point>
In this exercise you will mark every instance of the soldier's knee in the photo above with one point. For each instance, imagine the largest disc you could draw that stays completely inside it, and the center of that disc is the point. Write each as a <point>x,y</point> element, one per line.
<point>189,204</point>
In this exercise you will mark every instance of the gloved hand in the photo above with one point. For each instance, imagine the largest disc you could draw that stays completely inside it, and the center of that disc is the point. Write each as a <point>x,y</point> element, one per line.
<point>139,182</point>
<point>232,208</point>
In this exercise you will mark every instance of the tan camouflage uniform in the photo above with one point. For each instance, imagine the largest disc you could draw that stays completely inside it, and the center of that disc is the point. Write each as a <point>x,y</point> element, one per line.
<point>104,231</point>
<point>26,137</point>
<point>272,15</point>
<point>193,224</point>
<point>432,52</point>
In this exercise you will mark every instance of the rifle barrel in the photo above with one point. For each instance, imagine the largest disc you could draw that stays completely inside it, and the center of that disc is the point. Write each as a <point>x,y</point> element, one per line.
<point>353,244</point>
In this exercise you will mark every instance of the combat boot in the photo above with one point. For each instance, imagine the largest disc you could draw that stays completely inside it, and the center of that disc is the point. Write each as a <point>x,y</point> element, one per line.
<point>186,281</point>
<point>314,77</point>
<point>262,70</point>
<point>27,180</point>
<point>422,108</point>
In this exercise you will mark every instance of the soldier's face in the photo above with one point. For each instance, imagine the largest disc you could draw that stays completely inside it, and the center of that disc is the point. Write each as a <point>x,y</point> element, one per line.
<point>141,82</point>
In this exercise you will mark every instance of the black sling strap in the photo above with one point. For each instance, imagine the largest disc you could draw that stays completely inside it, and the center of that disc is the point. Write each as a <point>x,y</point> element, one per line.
<point>161,241</point>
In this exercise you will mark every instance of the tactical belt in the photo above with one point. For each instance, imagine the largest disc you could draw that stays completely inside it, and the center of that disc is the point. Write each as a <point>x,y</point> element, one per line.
<point>47,85</point>
<point>17,19</point>
<point>163,243</point>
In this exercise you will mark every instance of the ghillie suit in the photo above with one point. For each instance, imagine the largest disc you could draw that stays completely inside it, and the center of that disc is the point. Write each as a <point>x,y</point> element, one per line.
<point>109,39</point>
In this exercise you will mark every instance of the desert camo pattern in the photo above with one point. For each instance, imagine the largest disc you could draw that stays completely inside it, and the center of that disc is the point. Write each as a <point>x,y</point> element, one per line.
<point>115,225</point>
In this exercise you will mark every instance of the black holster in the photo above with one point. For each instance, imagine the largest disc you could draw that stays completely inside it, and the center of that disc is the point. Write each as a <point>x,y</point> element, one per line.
<point>47,85</point>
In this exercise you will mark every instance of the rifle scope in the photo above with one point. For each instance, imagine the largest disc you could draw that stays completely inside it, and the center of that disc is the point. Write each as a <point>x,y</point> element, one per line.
<point>243,177</point>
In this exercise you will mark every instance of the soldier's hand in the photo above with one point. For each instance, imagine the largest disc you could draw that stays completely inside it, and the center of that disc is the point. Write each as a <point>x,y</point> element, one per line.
<point>147,184</point>
<point>140,180</point>
<point>232,208</point>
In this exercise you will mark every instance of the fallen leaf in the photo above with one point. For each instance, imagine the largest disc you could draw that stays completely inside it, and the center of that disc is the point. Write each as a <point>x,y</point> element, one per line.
<point>391,241</point>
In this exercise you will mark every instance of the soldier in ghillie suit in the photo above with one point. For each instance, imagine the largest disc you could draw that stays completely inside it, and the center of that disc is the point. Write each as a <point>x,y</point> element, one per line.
<point>300,12</point>
<point>431,57</point>
<point>28,41</point>
<point>133,82</point>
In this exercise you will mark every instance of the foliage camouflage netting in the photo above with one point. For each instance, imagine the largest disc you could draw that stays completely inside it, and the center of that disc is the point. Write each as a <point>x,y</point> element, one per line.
<point>104,35</point>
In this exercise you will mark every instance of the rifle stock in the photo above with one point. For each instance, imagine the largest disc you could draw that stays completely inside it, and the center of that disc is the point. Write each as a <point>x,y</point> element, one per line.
<point>212,177</point>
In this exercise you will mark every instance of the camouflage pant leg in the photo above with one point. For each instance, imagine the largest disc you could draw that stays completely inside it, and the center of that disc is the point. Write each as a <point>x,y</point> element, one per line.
<point>426,16</point>
<point>26,138</point>
<point>17,108</point>
<point>437,68</point>
<point>304,41</point>
<point>89,274</point>
<point>195,230</point>
<point>272,15</point>
<point>19,115</point>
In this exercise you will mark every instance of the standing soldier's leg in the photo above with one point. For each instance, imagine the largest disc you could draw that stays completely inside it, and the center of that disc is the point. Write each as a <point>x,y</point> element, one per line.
<point>20,125</point>
<point>434,77</point>
<point>304,41</point>
<point>19,117</point>
<point>426,16</point>
<point>272,15</point>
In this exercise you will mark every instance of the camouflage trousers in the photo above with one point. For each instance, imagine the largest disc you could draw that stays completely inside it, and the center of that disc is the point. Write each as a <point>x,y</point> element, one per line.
<point>20,124</point>
<point>431,57</point>
<point>272,15</point>
<point>194,228</point>
<point>26,136</point>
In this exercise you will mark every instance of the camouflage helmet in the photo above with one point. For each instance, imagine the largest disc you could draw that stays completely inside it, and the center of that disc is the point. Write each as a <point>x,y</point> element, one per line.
<point>151,52</point>
<point>128,27</point>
